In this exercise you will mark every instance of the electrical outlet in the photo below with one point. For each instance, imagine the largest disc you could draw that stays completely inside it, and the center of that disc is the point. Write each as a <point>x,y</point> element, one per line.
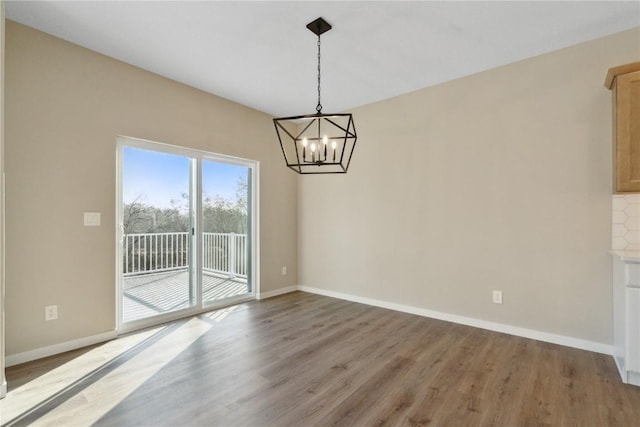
<point>497,297</point>
<point>284,270</point>
<point>51,312</point>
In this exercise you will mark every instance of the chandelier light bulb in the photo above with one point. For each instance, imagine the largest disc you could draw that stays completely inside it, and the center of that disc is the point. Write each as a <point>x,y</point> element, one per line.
<point>304,142</point>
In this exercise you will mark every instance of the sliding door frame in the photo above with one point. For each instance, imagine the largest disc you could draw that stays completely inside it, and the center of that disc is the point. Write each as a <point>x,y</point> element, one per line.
<point>196,157</point>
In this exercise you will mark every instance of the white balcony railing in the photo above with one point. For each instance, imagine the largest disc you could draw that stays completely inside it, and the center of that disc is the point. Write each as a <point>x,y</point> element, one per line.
<point>223,253</point>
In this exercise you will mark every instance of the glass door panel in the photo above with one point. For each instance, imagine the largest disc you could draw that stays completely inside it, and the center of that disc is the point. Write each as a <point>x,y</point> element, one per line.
<point>225,231</point>
<point>157,233</point>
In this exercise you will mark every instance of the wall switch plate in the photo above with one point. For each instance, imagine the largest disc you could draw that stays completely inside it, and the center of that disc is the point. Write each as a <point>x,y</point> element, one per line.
<point>51,312</point>
<point>92,219</point>
<point>497,297</point>
<point>284,270</point>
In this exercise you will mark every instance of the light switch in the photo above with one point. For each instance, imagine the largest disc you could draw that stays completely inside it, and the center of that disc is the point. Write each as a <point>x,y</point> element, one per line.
<point>92,219</point>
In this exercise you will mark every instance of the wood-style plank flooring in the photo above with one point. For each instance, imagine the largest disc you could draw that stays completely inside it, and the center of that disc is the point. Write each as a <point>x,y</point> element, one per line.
<point>307,360</point>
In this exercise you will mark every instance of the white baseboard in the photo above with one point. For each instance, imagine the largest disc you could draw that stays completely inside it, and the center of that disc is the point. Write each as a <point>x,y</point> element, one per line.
<point>39,353</point>
<point>276,292</point>
<point>3,389</point>
<point>469,321</point>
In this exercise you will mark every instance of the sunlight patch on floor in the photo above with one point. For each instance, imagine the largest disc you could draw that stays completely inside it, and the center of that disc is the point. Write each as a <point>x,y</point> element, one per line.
<point>83,390</point>
<point>219,315</point>
<point>38,391</point>
<point>92,403</point>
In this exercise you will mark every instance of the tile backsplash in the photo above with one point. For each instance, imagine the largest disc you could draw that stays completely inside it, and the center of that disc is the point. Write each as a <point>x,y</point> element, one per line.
<point>625,218</point>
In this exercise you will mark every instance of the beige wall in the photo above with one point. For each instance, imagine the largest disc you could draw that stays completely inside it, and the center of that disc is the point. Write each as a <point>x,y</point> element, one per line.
<point>500,180</point>
<point>3,382</point>
<point>65,106</point>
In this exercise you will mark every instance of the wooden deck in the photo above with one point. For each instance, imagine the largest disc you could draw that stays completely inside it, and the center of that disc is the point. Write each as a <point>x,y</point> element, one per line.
<point>152,294</point>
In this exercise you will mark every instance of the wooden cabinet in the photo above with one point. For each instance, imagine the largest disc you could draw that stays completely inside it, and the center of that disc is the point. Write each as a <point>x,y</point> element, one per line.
<point>624,82</point>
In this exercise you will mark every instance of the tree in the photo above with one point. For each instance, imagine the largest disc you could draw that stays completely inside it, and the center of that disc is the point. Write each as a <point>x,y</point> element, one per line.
<point>219,215</point>
<point>134,216</point>
<point>242,194</point>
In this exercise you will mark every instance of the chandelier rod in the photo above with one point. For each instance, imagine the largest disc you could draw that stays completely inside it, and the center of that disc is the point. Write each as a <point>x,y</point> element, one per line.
<point>319,106</point>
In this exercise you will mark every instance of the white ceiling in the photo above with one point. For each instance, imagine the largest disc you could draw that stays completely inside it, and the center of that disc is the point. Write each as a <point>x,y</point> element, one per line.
<point>261,55</point>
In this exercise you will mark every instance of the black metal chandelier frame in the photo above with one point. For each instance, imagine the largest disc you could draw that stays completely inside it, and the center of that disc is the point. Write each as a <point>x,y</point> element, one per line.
<point>322,143</point>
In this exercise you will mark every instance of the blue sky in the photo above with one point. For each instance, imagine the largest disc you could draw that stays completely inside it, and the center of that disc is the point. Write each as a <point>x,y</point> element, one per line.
<point>160,177</point>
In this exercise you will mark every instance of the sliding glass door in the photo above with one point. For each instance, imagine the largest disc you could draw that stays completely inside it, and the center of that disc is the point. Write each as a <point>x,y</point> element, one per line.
<point>156,225</point>
<point>225,230</point>
<point>186,235</point>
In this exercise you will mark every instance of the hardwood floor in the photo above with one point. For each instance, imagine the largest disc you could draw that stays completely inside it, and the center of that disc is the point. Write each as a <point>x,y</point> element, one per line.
<point>306,360</point>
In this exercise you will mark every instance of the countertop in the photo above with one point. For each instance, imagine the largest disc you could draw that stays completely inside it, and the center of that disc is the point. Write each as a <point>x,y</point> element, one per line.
<point>627,256</point>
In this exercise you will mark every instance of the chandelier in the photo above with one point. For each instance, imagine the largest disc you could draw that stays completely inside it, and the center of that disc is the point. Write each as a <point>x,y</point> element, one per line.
<point>317,143</point>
